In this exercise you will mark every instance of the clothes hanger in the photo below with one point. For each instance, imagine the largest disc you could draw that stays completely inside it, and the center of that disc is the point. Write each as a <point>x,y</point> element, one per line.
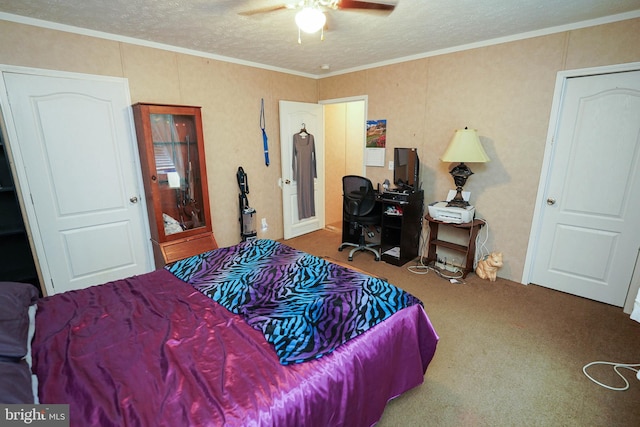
<point>303,130</point>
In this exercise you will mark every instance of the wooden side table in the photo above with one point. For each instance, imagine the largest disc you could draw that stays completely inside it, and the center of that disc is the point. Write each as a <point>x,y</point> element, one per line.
<point>469,250</point>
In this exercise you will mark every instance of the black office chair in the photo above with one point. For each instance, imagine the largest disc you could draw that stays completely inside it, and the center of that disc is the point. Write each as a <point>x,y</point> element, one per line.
<point>359,202</point>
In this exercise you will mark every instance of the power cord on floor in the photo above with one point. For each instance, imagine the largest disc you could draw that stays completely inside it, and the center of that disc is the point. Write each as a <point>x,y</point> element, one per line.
<point>455,278</point>
<point>616,366</point>
<point>422,268</point>
<point>481,246</point>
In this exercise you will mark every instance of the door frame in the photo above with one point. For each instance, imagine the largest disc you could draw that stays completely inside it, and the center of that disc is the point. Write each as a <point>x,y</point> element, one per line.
<point>358,98</point>
<point>545,172</point>
<point>293,229</point>
<point>323,195</point>
<point>20,176</point>
<point>365,99</point>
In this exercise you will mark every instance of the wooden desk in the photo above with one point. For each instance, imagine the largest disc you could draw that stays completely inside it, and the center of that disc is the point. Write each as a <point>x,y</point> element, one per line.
<point>401,231</point>
<point>469,250</point>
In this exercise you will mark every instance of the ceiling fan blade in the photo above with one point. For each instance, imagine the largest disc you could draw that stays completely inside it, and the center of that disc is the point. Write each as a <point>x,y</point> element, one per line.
<point>354,4</point>
<point>267,9</point>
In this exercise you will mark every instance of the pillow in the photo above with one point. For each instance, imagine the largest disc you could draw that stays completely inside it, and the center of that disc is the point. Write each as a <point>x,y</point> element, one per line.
<point>15,382</point>
<point>15,299</point>
<point>32,331</point>
<point>17,311</point>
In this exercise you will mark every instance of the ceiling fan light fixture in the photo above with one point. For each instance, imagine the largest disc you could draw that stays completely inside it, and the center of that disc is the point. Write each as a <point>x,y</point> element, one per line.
<point>310,20</point>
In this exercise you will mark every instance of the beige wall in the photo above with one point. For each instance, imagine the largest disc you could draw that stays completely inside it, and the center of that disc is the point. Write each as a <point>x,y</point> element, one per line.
<point>229,95</point>
<point>505,91</point>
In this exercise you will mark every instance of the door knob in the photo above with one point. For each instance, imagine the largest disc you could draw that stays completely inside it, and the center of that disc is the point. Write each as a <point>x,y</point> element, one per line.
<point>134,199</point>
<point>551,201</point>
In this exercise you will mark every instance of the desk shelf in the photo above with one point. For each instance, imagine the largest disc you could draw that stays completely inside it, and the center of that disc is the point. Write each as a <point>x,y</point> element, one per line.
<point>450,245</point>
<point>401,231</point>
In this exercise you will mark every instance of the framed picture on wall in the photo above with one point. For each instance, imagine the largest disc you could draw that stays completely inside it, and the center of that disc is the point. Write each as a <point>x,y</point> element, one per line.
<point>376,142</point>
<point>376,133</point>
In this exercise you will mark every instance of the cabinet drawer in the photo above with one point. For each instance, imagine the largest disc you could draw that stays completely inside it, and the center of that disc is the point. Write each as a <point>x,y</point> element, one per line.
<point>180,249</point>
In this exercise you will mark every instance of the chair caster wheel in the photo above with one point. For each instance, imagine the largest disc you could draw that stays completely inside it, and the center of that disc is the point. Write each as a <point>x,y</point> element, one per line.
<point>377,259</point>
<point>340,249</point>
<point>350,258</point>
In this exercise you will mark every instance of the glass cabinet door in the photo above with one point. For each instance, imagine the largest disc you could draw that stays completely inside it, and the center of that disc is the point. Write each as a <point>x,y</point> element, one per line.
<point>171,146</point>
<point>177,163</point>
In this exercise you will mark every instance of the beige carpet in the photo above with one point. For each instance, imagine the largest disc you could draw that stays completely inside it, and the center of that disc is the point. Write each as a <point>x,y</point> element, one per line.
<point>509,354</point>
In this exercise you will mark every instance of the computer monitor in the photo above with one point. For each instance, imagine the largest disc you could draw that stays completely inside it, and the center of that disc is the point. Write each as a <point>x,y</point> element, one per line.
<point>406,168</point>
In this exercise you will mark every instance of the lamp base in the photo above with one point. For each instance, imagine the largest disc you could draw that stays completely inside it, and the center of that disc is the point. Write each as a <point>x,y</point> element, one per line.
<point>460,173</point>
<point>458,201</point>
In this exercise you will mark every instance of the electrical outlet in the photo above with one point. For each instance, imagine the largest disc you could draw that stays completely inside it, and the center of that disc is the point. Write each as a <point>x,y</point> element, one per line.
<point>390,165</point>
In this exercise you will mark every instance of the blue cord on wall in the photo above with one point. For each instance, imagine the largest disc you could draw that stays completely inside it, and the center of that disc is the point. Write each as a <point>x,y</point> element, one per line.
<point>264,134</point>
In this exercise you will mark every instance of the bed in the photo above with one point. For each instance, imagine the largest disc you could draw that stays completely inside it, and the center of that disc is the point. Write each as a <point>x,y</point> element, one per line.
<point>257,334</point>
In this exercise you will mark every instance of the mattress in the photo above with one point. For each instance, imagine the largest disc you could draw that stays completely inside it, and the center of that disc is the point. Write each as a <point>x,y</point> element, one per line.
<point>152,350</point>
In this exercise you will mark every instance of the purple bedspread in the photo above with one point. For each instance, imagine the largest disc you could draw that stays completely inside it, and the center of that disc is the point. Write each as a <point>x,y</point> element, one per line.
<point>152,351</point>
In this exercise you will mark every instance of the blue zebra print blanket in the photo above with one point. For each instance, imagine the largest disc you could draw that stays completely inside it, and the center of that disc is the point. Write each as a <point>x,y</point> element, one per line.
<point>304,305</point>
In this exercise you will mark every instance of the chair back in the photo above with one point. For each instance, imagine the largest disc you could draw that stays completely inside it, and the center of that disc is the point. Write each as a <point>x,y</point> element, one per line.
<point>359,197</point>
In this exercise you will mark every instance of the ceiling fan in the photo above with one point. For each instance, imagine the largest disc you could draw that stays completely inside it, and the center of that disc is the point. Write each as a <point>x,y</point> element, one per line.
<point>311,17</point>
<point>382,6</point>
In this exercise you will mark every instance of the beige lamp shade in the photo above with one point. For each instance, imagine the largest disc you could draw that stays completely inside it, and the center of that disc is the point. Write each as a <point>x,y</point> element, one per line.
<point>465,147</point>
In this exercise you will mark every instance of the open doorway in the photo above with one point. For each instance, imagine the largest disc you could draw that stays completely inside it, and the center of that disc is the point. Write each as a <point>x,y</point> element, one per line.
<point>345,139</point>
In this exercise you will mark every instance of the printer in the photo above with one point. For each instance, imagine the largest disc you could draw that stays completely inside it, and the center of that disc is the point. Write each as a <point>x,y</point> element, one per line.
<point>440,212</point>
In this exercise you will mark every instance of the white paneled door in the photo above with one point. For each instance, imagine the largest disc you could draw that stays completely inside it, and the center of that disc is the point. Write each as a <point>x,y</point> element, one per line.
<point>77,166</point>
<point>588,236</point>
<point>293,116</point>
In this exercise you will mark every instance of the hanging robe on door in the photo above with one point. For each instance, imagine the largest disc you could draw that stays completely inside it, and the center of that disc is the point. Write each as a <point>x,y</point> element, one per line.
<point>304,172</point>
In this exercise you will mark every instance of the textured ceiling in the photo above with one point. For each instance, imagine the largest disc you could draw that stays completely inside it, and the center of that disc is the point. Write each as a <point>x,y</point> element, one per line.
<point>353,40</point>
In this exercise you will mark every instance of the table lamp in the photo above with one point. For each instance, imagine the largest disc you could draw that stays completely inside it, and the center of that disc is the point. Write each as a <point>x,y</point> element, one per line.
<point>464,147</point>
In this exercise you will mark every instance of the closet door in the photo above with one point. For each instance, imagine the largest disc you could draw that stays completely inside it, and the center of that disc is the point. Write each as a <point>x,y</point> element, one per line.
<point>587,234</point>
<point>72,140</point>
